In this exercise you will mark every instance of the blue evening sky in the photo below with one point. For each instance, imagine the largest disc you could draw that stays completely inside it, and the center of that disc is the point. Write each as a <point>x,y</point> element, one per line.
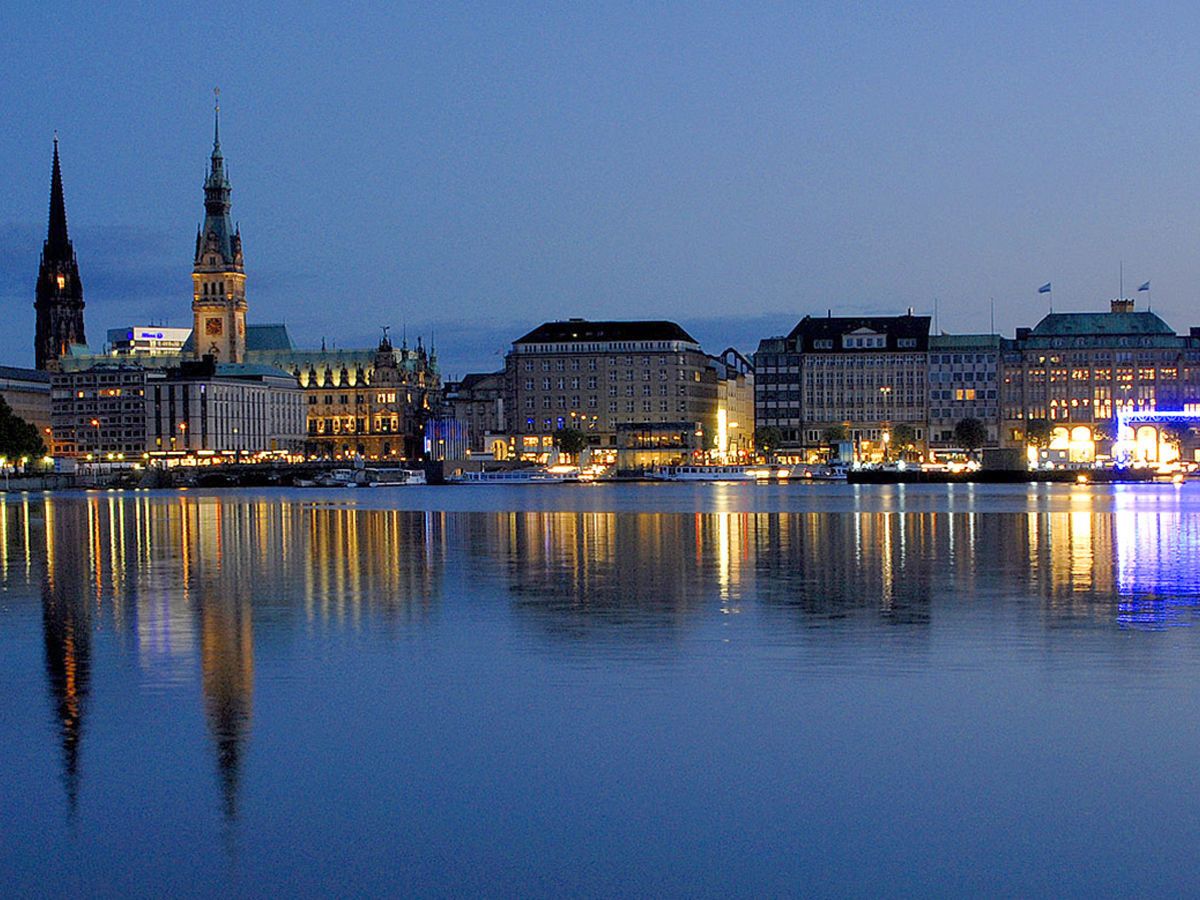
<point>468,171</point>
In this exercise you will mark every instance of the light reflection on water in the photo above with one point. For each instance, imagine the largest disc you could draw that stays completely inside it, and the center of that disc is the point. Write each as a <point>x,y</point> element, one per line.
<point>275,614</point>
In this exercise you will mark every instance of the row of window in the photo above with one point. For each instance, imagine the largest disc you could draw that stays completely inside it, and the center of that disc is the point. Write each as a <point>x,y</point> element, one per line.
<point>575,364</point>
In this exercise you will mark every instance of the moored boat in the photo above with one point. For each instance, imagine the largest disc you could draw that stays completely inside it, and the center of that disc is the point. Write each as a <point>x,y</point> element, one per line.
<point>708,473</point>
<point>526,475</point>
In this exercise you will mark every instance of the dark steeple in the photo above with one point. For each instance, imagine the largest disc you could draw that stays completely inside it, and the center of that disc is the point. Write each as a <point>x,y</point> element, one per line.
<point>57,242</point>
<point>59,302</point>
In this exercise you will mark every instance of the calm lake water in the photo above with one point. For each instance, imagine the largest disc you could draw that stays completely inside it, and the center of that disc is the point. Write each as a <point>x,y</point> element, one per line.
<point>602,691</point>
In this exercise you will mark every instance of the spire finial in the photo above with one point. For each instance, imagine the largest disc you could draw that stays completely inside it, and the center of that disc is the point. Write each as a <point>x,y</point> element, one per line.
<point>216,118</point>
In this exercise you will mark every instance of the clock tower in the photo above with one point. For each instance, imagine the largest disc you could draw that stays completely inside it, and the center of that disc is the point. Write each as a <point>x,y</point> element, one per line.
<point>218,277</point>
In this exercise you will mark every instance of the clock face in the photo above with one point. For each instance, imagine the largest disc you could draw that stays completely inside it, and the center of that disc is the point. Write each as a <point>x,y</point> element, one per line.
<point>212,326</point>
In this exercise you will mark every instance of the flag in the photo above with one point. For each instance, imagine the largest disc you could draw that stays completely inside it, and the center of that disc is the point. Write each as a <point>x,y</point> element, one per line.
<point>1145,287</point>
<point>1045,288</point>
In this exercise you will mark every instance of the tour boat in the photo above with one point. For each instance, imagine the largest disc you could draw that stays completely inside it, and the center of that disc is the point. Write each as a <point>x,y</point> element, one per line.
<point>709,473</point>
<point>389,477</point>
<point>365,477</point>
<point>527,475</point>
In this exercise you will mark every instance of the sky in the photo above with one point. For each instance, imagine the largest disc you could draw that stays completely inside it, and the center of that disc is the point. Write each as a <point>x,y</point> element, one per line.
<point>465,171</point>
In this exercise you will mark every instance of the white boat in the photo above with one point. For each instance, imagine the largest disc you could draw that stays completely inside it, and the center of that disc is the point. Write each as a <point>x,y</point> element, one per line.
<point>335,478</point>
<point>527,475</point>
<point>819,473</point>
<point>369,477</point>
<point>708,473</point>
<point>365,477</point>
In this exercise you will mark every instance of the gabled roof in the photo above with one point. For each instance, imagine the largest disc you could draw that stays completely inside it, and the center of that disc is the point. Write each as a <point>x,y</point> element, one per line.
<point>581,330</point>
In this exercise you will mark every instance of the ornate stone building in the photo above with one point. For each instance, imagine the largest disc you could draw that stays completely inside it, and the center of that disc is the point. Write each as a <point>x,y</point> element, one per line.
<point>59,303</point>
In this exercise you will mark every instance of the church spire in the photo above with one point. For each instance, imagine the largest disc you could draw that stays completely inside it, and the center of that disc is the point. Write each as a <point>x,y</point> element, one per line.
<point>59,296</point>
<point>57,242</point>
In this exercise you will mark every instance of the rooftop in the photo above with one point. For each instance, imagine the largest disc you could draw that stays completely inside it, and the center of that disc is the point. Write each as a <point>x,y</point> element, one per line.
<point>1115,323</point>
<point>581,330</point>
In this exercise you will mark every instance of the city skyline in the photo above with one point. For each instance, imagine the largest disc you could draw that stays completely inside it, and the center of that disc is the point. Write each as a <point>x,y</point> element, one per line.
<point>466,174</point>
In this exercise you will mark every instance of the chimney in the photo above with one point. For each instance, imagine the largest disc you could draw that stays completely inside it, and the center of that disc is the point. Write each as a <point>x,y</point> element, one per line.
<point>1122,305</point>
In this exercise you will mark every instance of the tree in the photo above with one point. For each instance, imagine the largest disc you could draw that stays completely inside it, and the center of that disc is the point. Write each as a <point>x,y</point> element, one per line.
<point>1038,432</point>
<point>970,434</point>
<point>767,438</point>
<point>834,434</point>
<point>18,438</point>
<point>831,437</point>
<point>903,438</point>
<point>570,441</point>
<point>1174,435</point>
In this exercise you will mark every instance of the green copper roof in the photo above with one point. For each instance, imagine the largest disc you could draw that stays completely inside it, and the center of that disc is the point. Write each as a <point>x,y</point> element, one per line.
<point>964,341</point>
<point>1116,323</point>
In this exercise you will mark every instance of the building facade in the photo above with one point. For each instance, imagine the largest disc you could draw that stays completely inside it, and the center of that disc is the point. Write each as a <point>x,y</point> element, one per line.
<point>232,409</point>
<point>859,375</point>
<point>1079,371</point>
<point>147,340</point>
<point>27,392</point>
<point>123,411</point>
<point>478,401</point>
<point>734,440</point>
<point>595,376</point>
<point>59,303</point>
<point>964,383</point>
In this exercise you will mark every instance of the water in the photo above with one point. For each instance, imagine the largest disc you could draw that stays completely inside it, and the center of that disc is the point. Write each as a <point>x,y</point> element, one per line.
<point>601,691</point>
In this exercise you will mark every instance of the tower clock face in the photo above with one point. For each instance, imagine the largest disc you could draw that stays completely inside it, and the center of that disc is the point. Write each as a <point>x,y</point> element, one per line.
<point>212,326</point>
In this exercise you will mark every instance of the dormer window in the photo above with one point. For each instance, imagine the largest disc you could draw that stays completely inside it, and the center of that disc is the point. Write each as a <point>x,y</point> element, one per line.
<point>864,339</point>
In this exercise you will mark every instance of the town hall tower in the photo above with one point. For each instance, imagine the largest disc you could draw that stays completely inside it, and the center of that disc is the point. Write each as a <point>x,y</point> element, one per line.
<point>218,277</point>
